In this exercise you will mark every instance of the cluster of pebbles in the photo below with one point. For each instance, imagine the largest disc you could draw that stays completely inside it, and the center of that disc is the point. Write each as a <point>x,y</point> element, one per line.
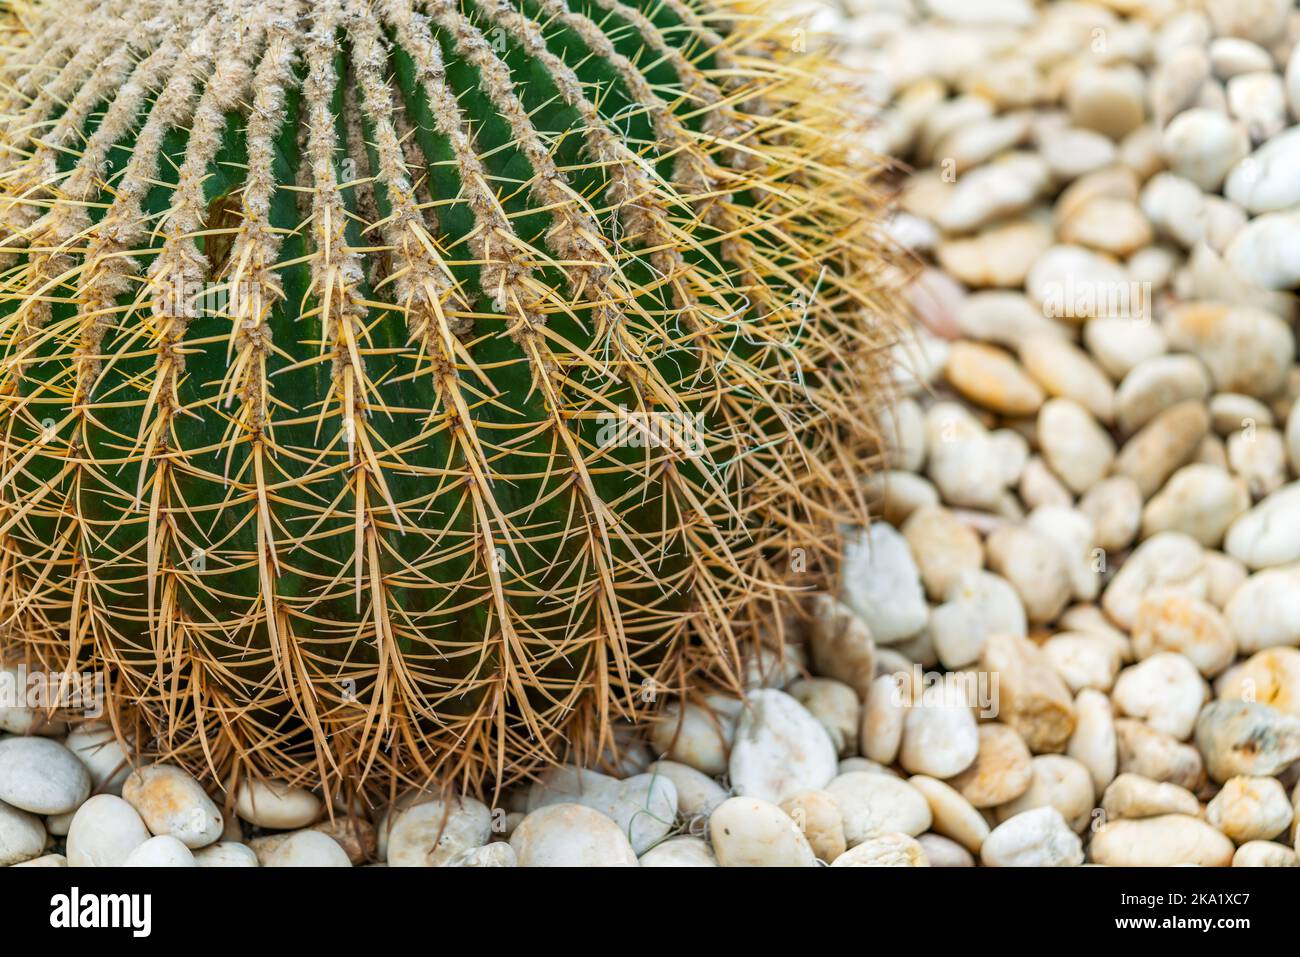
<point>1073,634</point>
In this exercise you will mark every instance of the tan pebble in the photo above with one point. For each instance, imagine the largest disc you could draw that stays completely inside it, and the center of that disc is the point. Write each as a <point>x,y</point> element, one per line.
<point>1160,842</point>
<point>991,378</point>
<point>1133,796</point>
<point>816,814</point>
<point>1033,699</point>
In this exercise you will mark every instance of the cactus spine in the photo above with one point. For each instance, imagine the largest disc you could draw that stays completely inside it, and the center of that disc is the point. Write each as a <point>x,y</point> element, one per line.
<point>398,389</point>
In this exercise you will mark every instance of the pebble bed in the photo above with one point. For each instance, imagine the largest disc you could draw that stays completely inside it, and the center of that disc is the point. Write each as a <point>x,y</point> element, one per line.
<point>1072,636</point>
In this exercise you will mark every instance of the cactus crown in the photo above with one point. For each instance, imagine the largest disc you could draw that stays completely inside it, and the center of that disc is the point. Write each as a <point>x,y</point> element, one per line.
<point>396,389</point>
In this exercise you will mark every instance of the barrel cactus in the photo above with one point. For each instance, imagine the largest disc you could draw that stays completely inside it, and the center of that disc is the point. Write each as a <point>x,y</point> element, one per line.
<point>408,390</point>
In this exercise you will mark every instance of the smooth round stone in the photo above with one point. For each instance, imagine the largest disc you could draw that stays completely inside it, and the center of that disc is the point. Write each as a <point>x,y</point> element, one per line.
<point>1264,854</point>
<point>1194,629</point>
<point>749,832</point>
<point>1176,207</point>
<point>872,804</point>
<point>999,255</point>
<point>817,815</point>
<point>972,144</point>
<point>1034,566</point>
<point>939,733</point>
<point>1065,370</point>
<point>1268,534</point>
<point>979,604</point>
<point>1257,457</point>
<point>780,749</point>
<point>1133,796</point>
<point>1156,384</point>
<point>307,849</point>
<point>1076,284</point>
<point>884,850</point>
<point>1160,842</point>
<point>102,754</point>
<point>836,706</point>
<point>1056,781</point>
<point>359,838</point>
<point>497,854</point>
<point>1072,533</point>
<point>1224,575</point>
<point>1154,266</point>
<point>840,645</point>
<point>1032,698</point>
<point>1265,610</point>
<point>1073,444</point>
<point>22,835</point>
<point>1106,99</point>
<point>45,860</point>
<point>944,547</point>
<point>1233,412</point>
<point>275,805</point>
<point>41,776</point>
<point>953,816</point>
<point>1040,487</point>
<point>1093,743</point>
<point>1115,507</point>
<point>104,831</point>
<point>171,802</point>
<point>1250,809</point>
<point>429,834</point>
<point>1165,690</point>
<point>944,851</point>
<point>1264,251</point>
<point>695,736</point>
<point>1001,771</point>
<point>1258,101</point>
<point>644,806</point>
<point>1233,56</point>
<point>895,495</point>
<point>1177,82</point>
<point>1263,21</point>
<point>883,715</point>
<point>1264,181</point>
<point>1035,838</point>
<point>881,584</point>
<point>1162,445</point>
<point>1072,152</point>
<point>1199,500</point>
<point>1109,225</point>
<point>681,851</point>
<point>1118,343</point>
<point>570,835</point>
<point>1004,317</point>
<point>995,191</point>
<point>1270,677</point>
<point>1246,349</point>
<point>697,793</point>
<point>965,464</point>
<point>993,379</point>
<point>1153,754</point>
<point>1083,660</point>
<point>1201,145</point>
<point>161,851</point>
<point>1169,559</point>
<point>226,854</point>
<point>1246,738</point>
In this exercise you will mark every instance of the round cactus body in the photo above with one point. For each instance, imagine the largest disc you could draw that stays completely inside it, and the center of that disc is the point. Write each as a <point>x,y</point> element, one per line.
<point>394,390</point>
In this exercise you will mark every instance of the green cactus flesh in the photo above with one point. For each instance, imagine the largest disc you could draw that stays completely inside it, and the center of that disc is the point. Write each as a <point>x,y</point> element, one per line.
<point>397,389</point>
